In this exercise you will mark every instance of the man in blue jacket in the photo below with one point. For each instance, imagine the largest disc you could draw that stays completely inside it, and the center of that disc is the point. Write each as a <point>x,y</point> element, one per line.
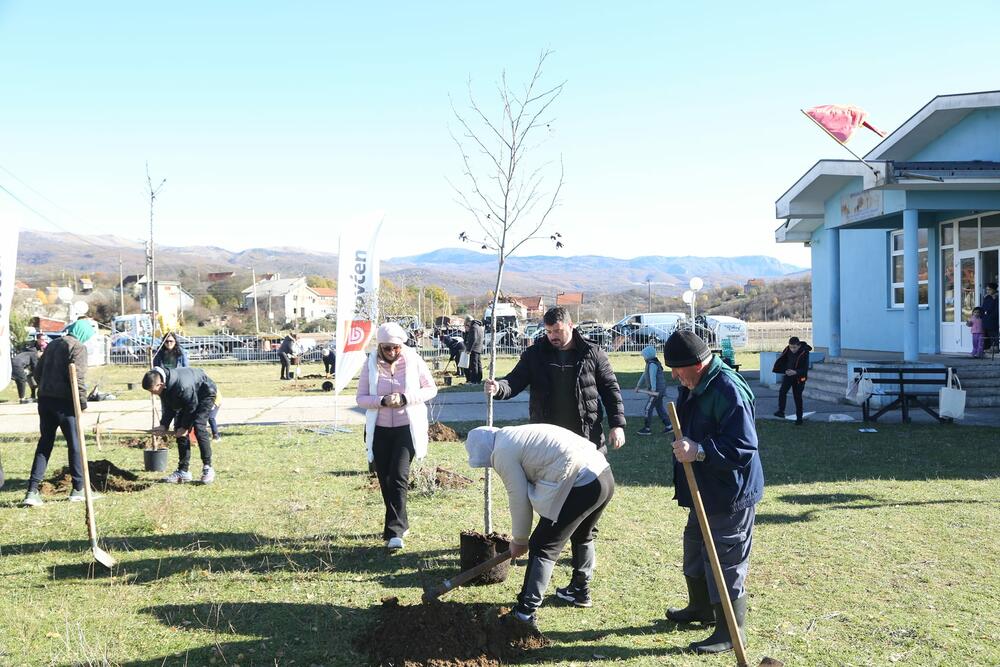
<point>716,410</point>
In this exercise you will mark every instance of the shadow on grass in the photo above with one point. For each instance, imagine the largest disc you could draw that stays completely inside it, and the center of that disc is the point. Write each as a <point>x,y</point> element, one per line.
<point>207,554</point>
<point>811,515</point>
<point>263,633</point>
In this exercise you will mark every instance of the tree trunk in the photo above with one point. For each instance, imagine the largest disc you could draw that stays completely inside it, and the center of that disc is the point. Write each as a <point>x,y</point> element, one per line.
<point>488,477</point>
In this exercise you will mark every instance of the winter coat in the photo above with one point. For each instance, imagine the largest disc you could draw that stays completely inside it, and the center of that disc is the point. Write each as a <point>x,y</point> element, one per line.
<point>52,369</point>
<point>287,346</point>
<point>185,389</point>
<point>653,378</point>
<point>24,364</point>
<point>990,314</point>
<point>796,361</point>
<point>718,414</point>
<point>181,357</point>
<point>539,463</point>
<point>596,384</point>
<point>475,337</point>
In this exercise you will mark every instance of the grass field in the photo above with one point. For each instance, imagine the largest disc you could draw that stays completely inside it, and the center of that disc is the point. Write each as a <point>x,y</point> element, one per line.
<point>253,379</point>
<point>872,549</point>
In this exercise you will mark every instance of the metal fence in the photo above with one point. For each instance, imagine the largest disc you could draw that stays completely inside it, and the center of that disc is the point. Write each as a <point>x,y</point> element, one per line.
<point>761,337</point>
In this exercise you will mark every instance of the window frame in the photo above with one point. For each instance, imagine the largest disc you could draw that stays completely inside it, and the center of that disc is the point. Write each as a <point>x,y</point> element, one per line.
<point>893,285</point>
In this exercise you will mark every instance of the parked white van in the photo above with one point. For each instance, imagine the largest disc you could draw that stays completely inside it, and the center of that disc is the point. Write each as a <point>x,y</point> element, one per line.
<point>724,326</point>
<point>648,325</point>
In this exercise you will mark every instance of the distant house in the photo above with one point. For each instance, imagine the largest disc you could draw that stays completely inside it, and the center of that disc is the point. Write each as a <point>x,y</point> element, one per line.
<point>84,286</point>
<point>219,276</point>
<point>904,245</point>
<point>288,300</point>
<point>752,284</point>
<point>569,298</point>
<point>534,306</point>
<point>171,298</point>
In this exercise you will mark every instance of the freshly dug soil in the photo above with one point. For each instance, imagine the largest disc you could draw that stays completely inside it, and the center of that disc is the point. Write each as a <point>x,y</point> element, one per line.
<point>476,548</point>
<point>440,634</point>
<point>439,432</point>
<point>104,477</point>
<point>444,480</point>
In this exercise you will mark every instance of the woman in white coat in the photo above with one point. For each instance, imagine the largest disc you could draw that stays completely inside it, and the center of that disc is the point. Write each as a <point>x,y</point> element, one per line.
<point>394,387</point>
<point>560,475</point>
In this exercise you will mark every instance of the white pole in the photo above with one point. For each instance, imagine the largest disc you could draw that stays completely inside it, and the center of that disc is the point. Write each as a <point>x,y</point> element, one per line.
<point>256,315</point>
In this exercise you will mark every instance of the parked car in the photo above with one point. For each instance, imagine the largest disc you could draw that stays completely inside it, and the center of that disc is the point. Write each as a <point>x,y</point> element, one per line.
<point>645,328</point>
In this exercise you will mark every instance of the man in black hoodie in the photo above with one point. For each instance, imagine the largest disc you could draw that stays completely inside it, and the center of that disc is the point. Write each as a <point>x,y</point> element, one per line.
<point>794,365</point>
<point>570,379</point>
<point>187,398</point>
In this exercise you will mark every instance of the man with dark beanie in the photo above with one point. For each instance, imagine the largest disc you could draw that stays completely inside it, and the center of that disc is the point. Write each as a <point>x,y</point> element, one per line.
<point>187,398</point>
<point>716,411</point>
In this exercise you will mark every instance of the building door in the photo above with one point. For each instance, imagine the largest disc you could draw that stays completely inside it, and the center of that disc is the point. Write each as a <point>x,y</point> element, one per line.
<point>956,337</point>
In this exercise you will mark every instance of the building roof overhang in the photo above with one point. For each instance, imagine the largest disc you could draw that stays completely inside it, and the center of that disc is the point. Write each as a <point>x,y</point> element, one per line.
<point>807,197</point>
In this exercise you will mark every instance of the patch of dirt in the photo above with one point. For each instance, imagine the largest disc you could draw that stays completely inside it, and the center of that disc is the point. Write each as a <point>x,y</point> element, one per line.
<point>439,432</point>
<point>314,376</point>
<point>105,477</point>
<point>442,634</point>
<point>420,480</point>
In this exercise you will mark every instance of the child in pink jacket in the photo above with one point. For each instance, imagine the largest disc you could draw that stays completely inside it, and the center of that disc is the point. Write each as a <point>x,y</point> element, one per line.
<point>978,330</point>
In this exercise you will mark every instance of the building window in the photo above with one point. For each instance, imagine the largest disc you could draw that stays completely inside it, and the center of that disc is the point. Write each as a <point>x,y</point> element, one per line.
<point>948,272</point>
<point>896,267</point>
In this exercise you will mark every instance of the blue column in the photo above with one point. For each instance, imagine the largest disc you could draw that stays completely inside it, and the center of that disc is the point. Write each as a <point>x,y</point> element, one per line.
<point>831,239</point>
<point>911,298</point>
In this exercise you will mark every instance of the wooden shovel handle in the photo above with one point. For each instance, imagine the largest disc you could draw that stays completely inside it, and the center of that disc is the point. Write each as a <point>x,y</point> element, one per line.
<point>713,556</point>
<point>89,501</point>
<point>464,577</point>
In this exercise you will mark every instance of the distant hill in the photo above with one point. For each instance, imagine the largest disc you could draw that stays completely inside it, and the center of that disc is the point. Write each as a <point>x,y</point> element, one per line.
<point>44,256</point>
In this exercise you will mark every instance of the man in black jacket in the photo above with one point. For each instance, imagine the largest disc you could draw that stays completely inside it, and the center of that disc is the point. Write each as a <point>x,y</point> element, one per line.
<point>286,352</point>
<point>22,371</point>
<point>793,364</point>
<point>475,335</point>
<point>570,379</point>
<point>187,398</point>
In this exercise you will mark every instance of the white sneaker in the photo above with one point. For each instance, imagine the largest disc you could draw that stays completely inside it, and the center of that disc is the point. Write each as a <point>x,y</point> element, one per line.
<point>207,474</point>
<point>395,543</point>
<point>177,477</point>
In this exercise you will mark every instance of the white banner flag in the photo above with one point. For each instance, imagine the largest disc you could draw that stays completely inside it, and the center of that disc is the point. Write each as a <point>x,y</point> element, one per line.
<point>8,261</point>
<point>357,303</point>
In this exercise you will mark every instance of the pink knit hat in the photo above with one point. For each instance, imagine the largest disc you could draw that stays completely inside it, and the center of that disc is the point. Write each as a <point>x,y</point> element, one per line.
<point>391,333</point>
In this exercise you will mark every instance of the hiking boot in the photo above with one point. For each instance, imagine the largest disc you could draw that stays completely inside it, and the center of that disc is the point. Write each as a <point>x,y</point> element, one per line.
<point>394,543</point>
<point>578,595</point>
<point>698,609</point>
<point>177,477</point>
<point>720,641</point>
<point>779,414</point>
<point>32,499</point>
<point>668,428</point>
<point>207,474</point>
<point>644,431</point>
<point>798,422</point>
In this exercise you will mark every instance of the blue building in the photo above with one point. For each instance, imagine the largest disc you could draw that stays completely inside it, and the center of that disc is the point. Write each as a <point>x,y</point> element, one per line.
<point>903,247</point>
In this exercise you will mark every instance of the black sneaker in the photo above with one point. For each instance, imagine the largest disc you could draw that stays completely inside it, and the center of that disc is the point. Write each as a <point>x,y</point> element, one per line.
<point>578,595</point>
<point>669,428</point>
<point>644,431</point>
<point>779,414</point>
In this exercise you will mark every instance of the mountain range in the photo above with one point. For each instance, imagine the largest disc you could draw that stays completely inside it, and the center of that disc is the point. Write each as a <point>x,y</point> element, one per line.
<point>45,256</point>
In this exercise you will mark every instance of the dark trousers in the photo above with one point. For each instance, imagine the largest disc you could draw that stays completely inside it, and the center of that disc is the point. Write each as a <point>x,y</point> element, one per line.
<point>393,450</point>
<point>797,385</point>
<point>286,363</point>
<point>24,383</point>
<point>576,524</point>
<point>733,537</point>
<point>329,364</point>
<point>474,374</point>
<point>201,430</point>
<point>656,404</point>
<point>55,413</point>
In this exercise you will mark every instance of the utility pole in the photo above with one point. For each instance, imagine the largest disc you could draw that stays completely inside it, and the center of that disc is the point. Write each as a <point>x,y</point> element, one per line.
<point>152,256</point>
<point>649,296</point>
<point>121,285</point>
<point>256,316</point>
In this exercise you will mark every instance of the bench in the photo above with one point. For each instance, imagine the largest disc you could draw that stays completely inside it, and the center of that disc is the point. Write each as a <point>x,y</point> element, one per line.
<point>902,387</point>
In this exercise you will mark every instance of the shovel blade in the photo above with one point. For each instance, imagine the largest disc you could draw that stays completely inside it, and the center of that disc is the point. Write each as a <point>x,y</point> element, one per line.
<point>103,557</point>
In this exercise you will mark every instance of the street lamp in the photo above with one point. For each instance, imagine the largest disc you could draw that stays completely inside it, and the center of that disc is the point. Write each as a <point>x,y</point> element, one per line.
<point>691,296</point>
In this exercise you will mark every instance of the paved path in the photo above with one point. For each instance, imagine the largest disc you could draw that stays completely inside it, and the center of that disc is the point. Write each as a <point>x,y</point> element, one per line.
<point>320,409</point>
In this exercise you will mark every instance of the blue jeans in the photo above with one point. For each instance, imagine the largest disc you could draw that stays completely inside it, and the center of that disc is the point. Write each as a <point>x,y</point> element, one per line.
<point>53,414</point>
<point>656,403</point>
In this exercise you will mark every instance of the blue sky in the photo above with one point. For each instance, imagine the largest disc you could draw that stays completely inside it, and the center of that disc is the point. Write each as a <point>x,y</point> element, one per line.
<point>279,123</point>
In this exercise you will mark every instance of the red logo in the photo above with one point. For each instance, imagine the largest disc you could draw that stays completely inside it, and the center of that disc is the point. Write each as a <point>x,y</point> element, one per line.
<point>359,332</point>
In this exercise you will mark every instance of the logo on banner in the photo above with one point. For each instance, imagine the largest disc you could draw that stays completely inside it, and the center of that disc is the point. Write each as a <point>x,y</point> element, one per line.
<point>359,332</point>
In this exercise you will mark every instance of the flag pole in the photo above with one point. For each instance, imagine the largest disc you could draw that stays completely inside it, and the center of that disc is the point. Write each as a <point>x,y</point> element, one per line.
<point>829,134</point>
